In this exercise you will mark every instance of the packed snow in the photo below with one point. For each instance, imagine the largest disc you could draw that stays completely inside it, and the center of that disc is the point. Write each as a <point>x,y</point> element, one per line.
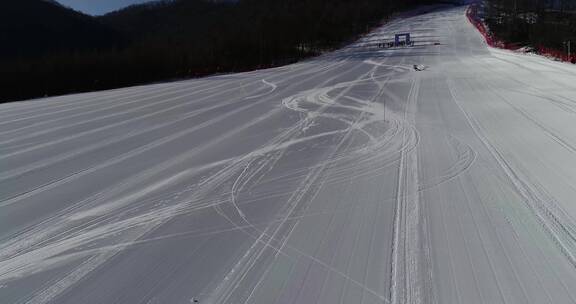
<point>443,173</point>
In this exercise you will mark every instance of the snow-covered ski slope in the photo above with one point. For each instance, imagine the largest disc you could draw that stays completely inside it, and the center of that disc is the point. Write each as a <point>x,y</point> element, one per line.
<point>350,178</point>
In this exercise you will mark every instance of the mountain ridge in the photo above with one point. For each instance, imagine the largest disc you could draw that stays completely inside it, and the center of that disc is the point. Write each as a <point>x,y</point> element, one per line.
<point>41,27</point>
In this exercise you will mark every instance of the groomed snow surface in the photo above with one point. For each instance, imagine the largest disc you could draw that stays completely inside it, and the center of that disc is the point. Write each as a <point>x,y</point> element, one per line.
<point>350,178</point>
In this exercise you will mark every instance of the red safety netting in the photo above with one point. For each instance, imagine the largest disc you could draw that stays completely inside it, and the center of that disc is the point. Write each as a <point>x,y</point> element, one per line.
<point>491,40</point>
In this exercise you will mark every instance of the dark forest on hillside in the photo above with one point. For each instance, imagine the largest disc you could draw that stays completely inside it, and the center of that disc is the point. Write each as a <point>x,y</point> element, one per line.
<point>170,40</point>
<point>537,23</point>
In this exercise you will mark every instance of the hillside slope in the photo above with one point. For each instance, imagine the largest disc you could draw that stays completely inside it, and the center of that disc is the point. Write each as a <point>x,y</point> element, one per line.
<point>347,178</point>
<point>169,40</point>
<point>38,27</point>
